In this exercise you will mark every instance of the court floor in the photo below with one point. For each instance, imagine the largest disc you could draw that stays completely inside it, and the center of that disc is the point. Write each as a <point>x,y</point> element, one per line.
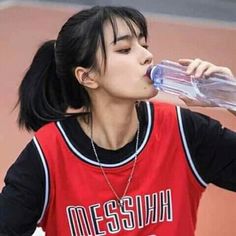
<point>24,27</point>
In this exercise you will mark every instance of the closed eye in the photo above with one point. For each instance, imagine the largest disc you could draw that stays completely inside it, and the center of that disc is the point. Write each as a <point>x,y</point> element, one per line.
<point>125,50</point>
<point>145,46</point>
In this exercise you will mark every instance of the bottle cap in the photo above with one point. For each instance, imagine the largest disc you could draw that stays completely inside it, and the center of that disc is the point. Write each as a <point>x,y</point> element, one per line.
<point>155,73</point>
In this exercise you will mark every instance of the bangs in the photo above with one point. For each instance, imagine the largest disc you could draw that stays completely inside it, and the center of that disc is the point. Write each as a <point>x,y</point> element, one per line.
<point>131,25</point>
<point>132,17</point>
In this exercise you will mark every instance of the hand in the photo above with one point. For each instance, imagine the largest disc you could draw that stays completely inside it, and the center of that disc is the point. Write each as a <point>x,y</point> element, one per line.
<point>200,68</point>
<point>204,69</point>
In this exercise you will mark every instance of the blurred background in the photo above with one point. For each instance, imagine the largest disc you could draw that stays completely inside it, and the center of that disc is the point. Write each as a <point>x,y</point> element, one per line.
<point>203,29</point>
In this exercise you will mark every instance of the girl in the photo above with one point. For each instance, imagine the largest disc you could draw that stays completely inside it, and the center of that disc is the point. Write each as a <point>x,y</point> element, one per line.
<point>119,164</point>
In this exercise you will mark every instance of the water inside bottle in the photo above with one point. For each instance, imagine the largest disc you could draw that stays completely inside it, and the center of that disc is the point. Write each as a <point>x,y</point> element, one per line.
<point>216,91</point>
<point>172,78</point>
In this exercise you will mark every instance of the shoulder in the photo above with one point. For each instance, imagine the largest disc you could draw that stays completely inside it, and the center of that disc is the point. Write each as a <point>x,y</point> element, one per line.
<point>48,129</point>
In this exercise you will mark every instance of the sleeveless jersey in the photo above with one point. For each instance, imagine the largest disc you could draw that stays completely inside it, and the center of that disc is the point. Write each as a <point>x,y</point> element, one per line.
<point>162,199</point>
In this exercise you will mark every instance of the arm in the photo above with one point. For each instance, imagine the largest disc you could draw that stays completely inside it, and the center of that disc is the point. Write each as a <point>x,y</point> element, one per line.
<point>21,200</point>
<point>212,149</point>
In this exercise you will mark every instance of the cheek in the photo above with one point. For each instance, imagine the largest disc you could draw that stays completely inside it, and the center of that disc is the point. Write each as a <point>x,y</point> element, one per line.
<point>121,64</point>
<point>117,75</point>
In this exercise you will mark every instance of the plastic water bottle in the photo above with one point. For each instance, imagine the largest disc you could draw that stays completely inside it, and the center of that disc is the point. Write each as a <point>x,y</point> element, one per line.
<point>216,90</point>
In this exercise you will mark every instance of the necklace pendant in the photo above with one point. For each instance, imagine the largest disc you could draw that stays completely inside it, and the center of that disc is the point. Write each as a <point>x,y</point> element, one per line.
<point>121,203</point>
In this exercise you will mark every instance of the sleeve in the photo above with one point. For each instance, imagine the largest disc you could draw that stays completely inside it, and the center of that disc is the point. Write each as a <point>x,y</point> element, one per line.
<point>211,147</point>
<point>22,198</point>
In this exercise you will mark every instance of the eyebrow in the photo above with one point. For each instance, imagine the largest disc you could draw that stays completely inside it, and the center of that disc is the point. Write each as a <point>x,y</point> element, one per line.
<point>127,37</point>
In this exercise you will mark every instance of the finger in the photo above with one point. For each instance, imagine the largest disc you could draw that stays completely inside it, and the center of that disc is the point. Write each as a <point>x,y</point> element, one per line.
<point>211,70</point>
<point>185,62</point>
<point>227,71</point>
<point>192,66</point>
<point>218,69</point>
<point>224,70</point>
<point>203,66</point>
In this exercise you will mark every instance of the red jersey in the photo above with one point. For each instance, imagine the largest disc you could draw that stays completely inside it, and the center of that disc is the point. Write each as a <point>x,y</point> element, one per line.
<point>162,199</point>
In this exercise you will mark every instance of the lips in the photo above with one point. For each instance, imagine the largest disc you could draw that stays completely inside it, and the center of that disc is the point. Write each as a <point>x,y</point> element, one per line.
<point>148,70</point>
<point>147,79</point>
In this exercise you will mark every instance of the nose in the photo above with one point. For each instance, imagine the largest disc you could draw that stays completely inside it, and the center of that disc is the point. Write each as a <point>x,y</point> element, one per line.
<point>147,57</point>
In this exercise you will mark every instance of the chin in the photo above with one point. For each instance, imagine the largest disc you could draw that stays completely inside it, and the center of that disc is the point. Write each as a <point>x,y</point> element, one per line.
<point>152,94</point>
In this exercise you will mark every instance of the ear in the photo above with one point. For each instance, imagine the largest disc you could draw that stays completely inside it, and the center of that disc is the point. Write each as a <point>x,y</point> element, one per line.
<point>86,78</point>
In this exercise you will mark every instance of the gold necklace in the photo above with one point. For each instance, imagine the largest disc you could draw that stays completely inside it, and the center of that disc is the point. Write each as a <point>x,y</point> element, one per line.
<point>120,200</point>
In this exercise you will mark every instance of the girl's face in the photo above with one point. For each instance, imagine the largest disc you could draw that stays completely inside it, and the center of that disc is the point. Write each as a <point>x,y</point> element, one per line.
<point>127,62</point>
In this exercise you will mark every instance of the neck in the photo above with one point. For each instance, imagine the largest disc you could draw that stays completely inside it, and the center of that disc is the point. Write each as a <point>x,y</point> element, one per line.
<point>113,126</point>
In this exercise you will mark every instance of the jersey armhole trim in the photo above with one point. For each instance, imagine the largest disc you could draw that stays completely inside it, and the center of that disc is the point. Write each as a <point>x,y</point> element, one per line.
<point>189,158</point>
<point>46,174</point>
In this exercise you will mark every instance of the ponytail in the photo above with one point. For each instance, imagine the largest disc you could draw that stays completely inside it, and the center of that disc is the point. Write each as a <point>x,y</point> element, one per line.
<point>50,86</point>
<point>41,96</point>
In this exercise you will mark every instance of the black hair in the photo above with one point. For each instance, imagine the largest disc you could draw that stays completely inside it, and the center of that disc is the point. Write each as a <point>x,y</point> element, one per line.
<point>49,87</point>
